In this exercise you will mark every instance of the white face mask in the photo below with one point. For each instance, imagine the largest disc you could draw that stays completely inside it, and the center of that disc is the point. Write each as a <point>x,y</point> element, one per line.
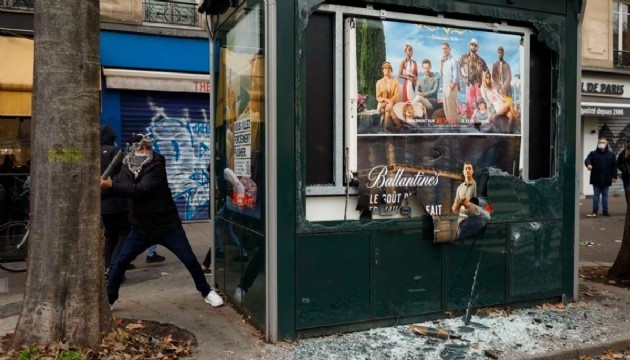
<point>601,146</point>
<point>139,154</point>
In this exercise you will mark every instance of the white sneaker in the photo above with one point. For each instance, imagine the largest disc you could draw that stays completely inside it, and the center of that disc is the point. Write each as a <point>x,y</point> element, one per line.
<point>239,294</point>
<point>213,299</point>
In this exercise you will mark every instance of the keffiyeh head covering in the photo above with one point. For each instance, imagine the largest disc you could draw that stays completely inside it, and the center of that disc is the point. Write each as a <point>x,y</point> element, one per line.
<point>134,162</point>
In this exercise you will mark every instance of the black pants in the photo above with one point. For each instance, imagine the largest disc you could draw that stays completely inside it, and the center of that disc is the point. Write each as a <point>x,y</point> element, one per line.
<point>174,240</point>
<point>116,230</point>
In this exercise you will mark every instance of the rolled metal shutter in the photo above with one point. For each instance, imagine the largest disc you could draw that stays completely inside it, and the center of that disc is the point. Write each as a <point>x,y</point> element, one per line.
<point>180,127</point>
<point>615,131</point>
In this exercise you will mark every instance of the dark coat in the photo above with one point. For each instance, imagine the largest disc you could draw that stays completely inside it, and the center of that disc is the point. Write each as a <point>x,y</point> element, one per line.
<point>110,204</point>
<point>604,167</point>
<point>153,211</point>
<point>623,164</point>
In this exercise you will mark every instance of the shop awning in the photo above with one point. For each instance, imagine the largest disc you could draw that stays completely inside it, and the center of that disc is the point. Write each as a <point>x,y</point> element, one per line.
<point>16,76</point>
<point>156,80</point>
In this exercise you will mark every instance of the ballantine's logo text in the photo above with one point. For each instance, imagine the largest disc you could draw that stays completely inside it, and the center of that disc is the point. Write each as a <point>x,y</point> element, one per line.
<point>378,178</point>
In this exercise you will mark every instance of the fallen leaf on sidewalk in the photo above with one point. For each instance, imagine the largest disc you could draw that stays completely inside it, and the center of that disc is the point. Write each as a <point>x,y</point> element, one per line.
<point>134,326</point>
<point>167,340</point>
<point>123,343</point>
<point>490,311</point>
<point>557,306</point>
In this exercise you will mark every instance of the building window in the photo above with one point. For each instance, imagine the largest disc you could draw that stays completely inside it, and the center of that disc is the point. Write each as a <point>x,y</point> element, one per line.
<point>18,4</point>
<point>621,35</point>
<point>181,12</point>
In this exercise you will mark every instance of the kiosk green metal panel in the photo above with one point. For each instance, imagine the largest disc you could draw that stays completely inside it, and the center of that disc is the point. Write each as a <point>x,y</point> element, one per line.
<point>343,252</point>
<point>408,276</point>
<point>526,251</point>
<point>483,260</point>
<point>319,301</point>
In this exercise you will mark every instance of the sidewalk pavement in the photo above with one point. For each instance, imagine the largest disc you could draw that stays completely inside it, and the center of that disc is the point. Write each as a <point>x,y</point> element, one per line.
<point>165,293</point>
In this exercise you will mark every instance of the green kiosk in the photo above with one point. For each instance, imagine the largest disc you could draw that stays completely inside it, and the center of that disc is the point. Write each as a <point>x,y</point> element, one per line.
<point>383,162</point>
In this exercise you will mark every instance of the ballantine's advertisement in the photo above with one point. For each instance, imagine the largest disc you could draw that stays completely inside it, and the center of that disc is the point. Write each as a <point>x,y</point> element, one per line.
<point>439,107</point>
<point>379,177</point>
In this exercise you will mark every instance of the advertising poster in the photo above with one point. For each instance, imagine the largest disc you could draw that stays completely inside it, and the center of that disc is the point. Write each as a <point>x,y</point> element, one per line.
<point>436,108</point>
<point>240,109</point>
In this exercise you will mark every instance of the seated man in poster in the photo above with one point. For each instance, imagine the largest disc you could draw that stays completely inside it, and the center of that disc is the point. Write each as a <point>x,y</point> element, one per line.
<point>427,90</point>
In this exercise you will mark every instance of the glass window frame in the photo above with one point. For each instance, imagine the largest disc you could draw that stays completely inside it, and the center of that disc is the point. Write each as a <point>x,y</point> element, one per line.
<point>620,9</point>
<point>343,134</point>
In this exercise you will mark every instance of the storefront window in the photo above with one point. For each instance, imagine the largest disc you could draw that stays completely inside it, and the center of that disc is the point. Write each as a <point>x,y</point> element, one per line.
<point>15,145</point>
<point>621,34</point>
<point>240,119</point>
<point>15,135</point>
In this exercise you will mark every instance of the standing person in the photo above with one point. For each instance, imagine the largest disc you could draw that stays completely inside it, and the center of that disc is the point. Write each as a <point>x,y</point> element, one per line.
<point>114,211</point>
<point>472,67</point>
<point>387,89</point>
<point>502,74</point>
<point>465,191</point>
<point>603,167</point>
<point>450,75</point>
<point>623,164</point>
<point>408,71</point>
<point>154,217</point>
<point>426,92</point>
<point>153,256</point>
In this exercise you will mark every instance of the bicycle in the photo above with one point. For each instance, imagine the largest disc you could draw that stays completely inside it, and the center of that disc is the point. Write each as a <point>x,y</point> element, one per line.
<point>14,246</point>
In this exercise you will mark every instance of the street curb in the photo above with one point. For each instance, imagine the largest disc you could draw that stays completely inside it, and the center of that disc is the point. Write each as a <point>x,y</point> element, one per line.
<point>595,349</point>
<point>10,309</point>
<point>595,263</point>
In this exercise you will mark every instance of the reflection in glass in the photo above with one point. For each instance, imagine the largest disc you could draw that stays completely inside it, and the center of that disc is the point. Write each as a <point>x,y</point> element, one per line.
<point>240,162</point>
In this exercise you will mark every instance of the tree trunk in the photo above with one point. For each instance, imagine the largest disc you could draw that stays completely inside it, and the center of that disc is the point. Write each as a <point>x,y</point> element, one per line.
<point>621,267</point>
<point>65,296</point>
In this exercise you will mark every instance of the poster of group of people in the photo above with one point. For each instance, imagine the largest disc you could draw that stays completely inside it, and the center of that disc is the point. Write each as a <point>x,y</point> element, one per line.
<point>436,108</point>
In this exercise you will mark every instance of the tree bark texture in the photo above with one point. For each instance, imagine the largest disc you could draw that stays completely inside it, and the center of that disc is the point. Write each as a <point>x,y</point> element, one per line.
<point>621,267</point>
<point>65,296</point>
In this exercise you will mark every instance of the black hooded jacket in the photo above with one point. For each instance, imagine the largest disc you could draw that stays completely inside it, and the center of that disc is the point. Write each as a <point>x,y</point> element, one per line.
<point>604,167</point>
<point>153,211</point>
<point>110,205</point>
